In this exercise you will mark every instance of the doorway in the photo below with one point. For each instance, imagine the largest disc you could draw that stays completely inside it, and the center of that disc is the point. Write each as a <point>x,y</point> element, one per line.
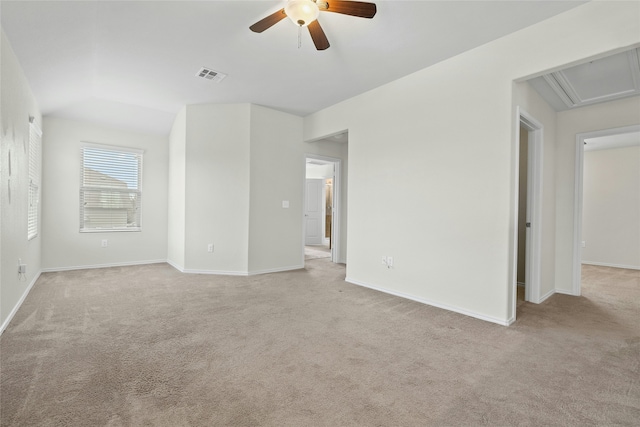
<point>321,225</point>
<point>609,138</point>
<point>528,209</point>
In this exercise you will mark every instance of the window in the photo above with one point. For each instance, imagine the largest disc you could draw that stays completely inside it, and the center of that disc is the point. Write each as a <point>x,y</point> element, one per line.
<point>110,192</point>
<point>35,148</point>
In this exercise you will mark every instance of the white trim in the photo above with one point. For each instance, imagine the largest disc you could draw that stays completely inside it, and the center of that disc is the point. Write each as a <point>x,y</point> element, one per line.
<point>19,303</point>
<point>276,270</point>
<point>236,273</point>
<point>215,272</point>
<point>534,207</point>
<point>605,264</point>
<point>115,264</point>
<point>553,80</point>
<point>197,271</point>
<point>110,147</point>
<point>576,273</point>
<point>505,322</point>
<point>547,295</point>
<point>577,198</point>
<point>36,127</point>
<point>337,208</point>
<point>176,266</point>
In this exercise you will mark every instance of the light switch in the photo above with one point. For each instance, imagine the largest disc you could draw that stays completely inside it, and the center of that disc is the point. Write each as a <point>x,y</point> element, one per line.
<point>285,204</point>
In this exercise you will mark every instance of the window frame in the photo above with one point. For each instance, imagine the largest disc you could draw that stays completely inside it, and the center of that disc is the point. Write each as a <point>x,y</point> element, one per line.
<point>35,177</point>
<point>84,189</point>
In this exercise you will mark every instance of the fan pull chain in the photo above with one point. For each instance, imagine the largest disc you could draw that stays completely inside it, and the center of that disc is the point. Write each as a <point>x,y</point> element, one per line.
<point>299,36</point>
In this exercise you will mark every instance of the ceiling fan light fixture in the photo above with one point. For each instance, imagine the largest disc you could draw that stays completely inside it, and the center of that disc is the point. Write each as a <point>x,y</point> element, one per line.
<point>302,12</point>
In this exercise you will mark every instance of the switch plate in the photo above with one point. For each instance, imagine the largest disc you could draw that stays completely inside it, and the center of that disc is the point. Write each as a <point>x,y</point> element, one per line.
<point>210,247</point>
<point>22,268</point>
<point>285,204</point>
<point>584,244</point>
<point>105,243</point>
<point>389,261</point>
<point>384,260</point>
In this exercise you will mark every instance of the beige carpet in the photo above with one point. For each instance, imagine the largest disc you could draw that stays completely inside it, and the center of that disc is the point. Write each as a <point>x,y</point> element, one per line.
<point>315,252</point>
<point>147,345</point>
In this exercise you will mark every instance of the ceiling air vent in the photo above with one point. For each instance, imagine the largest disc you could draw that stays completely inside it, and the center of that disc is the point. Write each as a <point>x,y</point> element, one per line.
<point>209,74</point>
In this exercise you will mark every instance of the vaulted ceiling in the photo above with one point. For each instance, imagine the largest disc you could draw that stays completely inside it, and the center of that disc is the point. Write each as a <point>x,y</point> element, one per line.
<point>133,64</point>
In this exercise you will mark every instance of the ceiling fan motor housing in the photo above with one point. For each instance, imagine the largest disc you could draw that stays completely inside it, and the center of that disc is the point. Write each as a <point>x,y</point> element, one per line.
<point>302,12</point>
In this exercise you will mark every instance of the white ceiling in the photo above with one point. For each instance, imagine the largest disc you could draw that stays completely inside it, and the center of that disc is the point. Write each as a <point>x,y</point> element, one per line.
<point>622,140</point>
<point>599,80</point>
<point>132,64</point>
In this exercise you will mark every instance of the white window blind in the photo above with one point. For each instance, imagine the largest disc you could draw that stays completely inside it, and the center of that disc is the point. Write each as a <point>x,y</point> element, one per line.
<point>35,149</point>
<point>110,192</point>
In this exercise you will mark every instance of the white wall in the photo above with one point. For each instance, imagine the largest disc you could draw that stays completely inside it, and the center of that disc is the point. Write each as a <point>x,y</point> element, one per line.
<point>278,172</point>
<point>217,188</point>
<point>444,158</point>
<point>17,105</point>
<point>319,171</point>
<point>240,162</point>
<point>614,114</point>
<point>176,214</point>
<point>63,246</point>
<point>611,207</point>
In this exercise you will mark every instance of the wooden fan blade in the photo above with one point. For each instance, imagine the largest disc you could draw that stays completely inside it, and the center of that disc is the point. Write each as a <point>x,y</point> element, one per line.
<point>318,36</point>
<point>353,8</point>
<point>268,22</point>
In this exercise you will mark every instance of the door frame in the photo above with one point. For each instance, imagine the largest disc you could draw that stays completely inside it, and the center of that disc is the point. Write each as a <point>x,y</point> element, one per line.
<point>578,194</point>
<point>534,209</point>
<point>321,209</point>
<point>335,221</point>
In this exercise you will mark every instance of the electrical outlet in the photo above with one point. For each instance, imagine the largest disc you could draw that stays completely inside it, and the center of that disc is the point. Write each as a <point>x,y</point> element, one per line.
<point>584,244</point>
<point>22,268</point>
<point>105,243</point>
<point>210,247</point>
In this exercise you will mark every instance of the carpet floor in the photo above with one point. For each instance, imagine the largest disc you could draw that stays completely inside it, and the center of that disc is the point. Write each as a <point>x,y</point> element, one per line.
<point>315,252</point>
<point>150,346</point>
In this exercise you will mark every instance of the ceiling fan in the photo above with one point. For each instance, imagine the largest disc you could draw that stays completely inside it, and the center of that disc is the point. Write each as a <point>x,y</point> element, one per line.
<point>304,13</point>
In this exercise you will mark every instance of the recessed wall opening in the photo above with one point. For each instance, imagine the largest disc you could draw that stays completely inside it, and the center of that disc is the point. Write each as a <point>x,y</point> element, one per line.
<point>321,224</point>
<point>527,236</point>
<point>607,139</point>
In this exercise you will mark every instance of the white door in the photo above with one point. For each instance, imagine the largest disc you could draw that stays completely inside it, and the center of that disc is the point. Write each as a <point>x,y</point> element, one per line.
<point>313,212</point>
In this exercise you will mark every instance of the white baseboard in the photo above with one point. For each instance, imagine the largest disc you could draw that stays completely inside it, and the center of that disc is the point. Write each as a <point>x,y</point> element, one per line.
<point>276,270</point>
<point>604,264</point>
<point>217,272</point>
<point>563,292</point>
<point>547,295</point>
<point>19,303</point>
<point>235,273</point>
<point>503,322</point>
<point>176,266</point>
<point>115,264</point>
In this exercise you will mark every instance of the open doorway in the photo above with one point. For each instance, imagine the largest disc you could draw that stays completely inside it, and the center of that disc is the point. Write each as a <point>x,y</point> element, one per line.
<point>321,229</point>
<point>526,257</point>
<point>610,235</point>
